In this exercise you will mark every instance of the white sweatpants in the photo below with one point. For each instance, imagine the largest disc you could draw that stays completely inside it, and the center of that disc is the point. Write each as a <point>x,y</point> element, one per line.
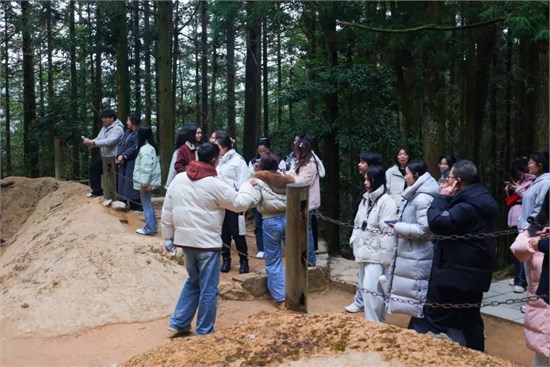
<point>368,279</point>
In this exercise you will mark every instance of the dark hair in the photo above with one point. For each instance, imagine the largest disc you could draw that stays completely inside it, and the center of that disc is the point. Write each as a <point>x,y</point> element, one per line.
<point>190,131</point>
<point>312,142</point>
<point>207,152</point>
<point>219,133</point>
<point>403,147</point>
<point>180,138</point>
<point>268,162</point>
<point>225,141</point>
<point>450,159</point>
<point>518,167</point>
<point>145,134</point>
<point>540,157</point>
<point>264,141</point>
<point>303,153</point>
<point>418,167</point>
<point>467,171</point>
<point>135,118</point>
<point>445,174</point>
<point>372,158</point>
<point>108,113</point>
<point>376,176</point>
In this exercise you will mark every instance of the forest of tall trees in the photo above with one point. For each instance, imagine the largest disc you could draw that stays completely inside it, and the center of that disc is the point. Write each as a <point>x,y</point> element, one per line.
<point>466,78</point>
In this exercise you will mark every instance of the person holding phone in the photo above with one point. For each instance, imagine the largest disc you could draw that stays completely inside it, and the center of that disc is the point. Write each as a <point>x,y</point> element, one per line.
<point>462,268</point>
<point>414,256</point>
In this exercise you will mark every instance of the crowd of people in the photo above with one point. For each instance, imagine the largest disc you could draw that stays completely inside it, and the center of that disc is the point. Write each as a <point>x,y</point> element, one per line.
<point>401,269</point>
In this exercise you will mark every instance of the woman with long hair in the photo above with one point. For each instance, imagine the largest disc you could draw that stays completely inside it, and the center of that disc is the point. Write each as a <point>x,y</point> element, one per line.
<point>180,140</point>
<point>307,171</point>
<point>232,170</point>
<point>147,176</point>
<point>395,175</point>
<point>188,151</point>
<point>372,245</point>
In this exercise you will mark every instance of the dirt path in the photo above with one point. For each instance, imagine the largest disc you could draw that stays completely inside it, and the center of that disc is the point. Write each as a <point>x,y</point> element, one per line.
<point>115,344</point>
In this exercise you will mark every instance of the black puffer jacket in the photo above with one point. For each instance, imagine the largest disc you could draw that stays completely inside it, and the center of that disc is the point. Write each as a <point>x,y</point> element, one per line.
<point>464,264</point>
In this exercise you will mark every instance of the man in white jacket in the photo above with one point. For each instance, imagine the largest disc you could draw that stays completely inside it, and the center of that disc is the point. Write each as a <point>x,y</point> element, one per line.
<point>192,217</point>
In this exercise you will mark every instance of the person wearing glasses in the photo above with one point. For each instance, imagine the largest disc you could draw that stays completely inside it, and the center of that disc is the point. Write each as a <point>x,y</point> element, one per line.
<point>107,140</point>
<point>462,268</point>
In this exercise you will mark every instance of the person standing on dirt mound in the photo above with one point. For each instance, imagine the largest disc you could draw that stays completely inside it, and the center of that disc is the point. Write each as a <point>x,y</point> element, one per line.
<point>107,140</point>
<point>192,218</point>
<point>462,268</point>
<point>127,152</point>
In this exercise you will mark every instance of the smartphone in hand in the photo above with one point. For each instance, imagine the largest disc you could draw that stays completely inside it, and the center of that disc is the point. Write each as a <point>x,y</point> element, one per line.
<point>388,222</point>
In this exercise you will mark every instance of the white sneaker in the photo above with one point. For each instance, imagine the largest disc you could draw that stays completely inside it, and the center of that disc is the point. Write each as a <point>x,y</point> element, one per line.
<point>140,231</point>
<point>260,255</point>
<point>353,308</point>
<point>511,282</point>
<point>90,195</point>
<point>518,289</point>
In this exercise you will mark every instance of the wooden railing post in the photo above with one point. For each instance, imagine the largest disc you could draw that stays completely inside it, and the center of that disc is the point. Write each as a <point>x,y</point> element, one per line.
<point>108,180</point>
<point>58,157</point>
<point>297,219</point>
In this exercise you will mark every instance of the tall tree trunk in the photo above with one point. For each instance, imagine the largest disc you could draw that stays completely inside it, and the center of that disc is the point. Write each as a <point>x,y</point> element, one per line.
<point>49,36</point>
<point>137,58</point>
<point>279,74</point>
<point>214,81</point>
<point>331,148</point>
<point>198,118</point>
<point>73,78</point>
<point>120,24</point>
<point>230,59</point>
<point>175,56</point>
<point>165,117</point>
<point>508,141</point>
<point>7,144</point>
<point>252,92</point>
<point>204,67</point>
<point>541,98</point>
<point>30,145</point>
<point>98,84</point>
<point>147,61</point>
<point>433,83</point>
<point>265,106</point>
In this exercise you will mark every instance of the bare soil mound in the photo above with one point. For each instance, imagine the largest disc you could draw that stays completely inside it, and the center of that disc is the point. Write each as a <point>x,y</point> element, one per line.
<point>71,264</point>
<point>273,339</point>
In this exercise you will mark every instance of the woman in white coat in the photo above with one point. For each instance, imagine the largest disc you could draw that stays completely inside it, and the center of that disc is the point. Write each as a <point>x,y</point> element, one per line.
<point>413,262</point>
<point>372,242</point>
<point>395,175</point>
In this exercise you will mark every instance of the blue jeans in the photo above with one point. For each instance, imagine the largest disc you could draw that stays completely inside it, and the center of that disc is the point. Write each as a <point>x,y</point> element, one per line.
<point>274,233</point>
<point>311,258</point>
<point>258,229</point>
<point>200,290</point>
<point>151,224</point>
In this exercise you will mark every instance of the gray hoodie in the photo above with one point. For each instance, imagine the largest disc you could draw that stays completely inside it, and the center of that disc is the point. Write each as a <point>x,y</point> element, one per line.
<point>108,138</point>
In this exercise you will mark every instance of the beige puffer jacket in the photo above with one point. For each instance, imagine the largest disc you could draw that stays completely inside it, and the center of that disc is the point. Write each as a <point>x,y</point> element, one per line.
<point>269,193</point>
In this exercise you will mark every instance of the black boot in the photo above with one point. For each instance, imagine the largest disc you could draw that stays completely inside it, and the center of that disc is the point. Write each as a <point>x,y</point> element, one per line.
<point>226,265</point>
<point>244,266</point>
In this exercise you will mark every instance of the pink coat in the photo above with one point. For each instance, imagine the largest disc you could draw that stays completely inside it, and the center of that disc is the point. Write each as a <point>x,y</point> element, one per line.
<point>537,315</point>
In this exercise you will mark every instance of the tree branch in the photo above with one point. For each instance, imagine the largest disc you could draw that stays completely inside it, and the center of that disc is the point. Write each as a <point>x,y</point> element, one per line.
<point>425,27</point>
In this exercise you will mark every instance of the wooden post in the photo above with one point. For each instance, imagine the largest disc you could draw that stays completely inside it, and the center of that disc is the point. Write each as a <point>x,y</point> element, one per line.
<point>108,179</point>
<point>58,157</point>
<point>297,219</point>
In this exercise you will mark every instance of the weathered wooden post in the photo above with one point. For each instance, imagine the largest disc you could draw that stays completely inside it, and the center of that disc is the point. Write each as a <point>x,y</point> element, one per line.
<point>58,157</point>
<point>297,219</point>
<point>108,178</point>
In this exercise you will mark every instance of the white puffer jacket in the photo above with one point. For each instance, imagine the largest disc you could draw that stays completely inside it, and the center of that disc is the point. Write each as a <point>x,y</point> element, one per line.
<point>368,246</point>
<point>232,169</point>
<point>395,182</point>
<point>414,256</point>
<point>269,194</point>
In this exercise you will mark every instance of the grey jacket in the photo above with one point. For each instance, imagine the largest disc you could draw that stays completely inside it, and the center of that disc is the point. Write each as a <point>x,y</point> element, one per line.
<point>108,138</point>
<point>413,263</point>
<point>533,197</point>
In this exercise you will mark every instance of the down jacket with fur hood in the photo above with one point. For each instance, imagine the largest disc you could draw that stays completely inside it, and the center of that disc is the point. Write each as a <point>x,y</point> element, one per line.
<point>368,244</point>
<point>269,193</point>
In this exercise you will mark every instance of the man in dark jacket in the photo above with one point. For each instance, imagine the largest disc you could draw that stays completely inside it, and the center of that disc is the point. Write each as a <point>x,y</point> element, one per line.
<point>462,268</point>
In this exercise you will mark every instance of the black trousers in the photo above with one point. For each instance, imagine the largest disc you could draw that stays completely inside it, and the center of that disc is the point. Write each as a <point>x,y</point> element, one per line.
<point>230,229</point>
<point>94,175</point>
<point>314,230</point>
<point>468,320</point>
